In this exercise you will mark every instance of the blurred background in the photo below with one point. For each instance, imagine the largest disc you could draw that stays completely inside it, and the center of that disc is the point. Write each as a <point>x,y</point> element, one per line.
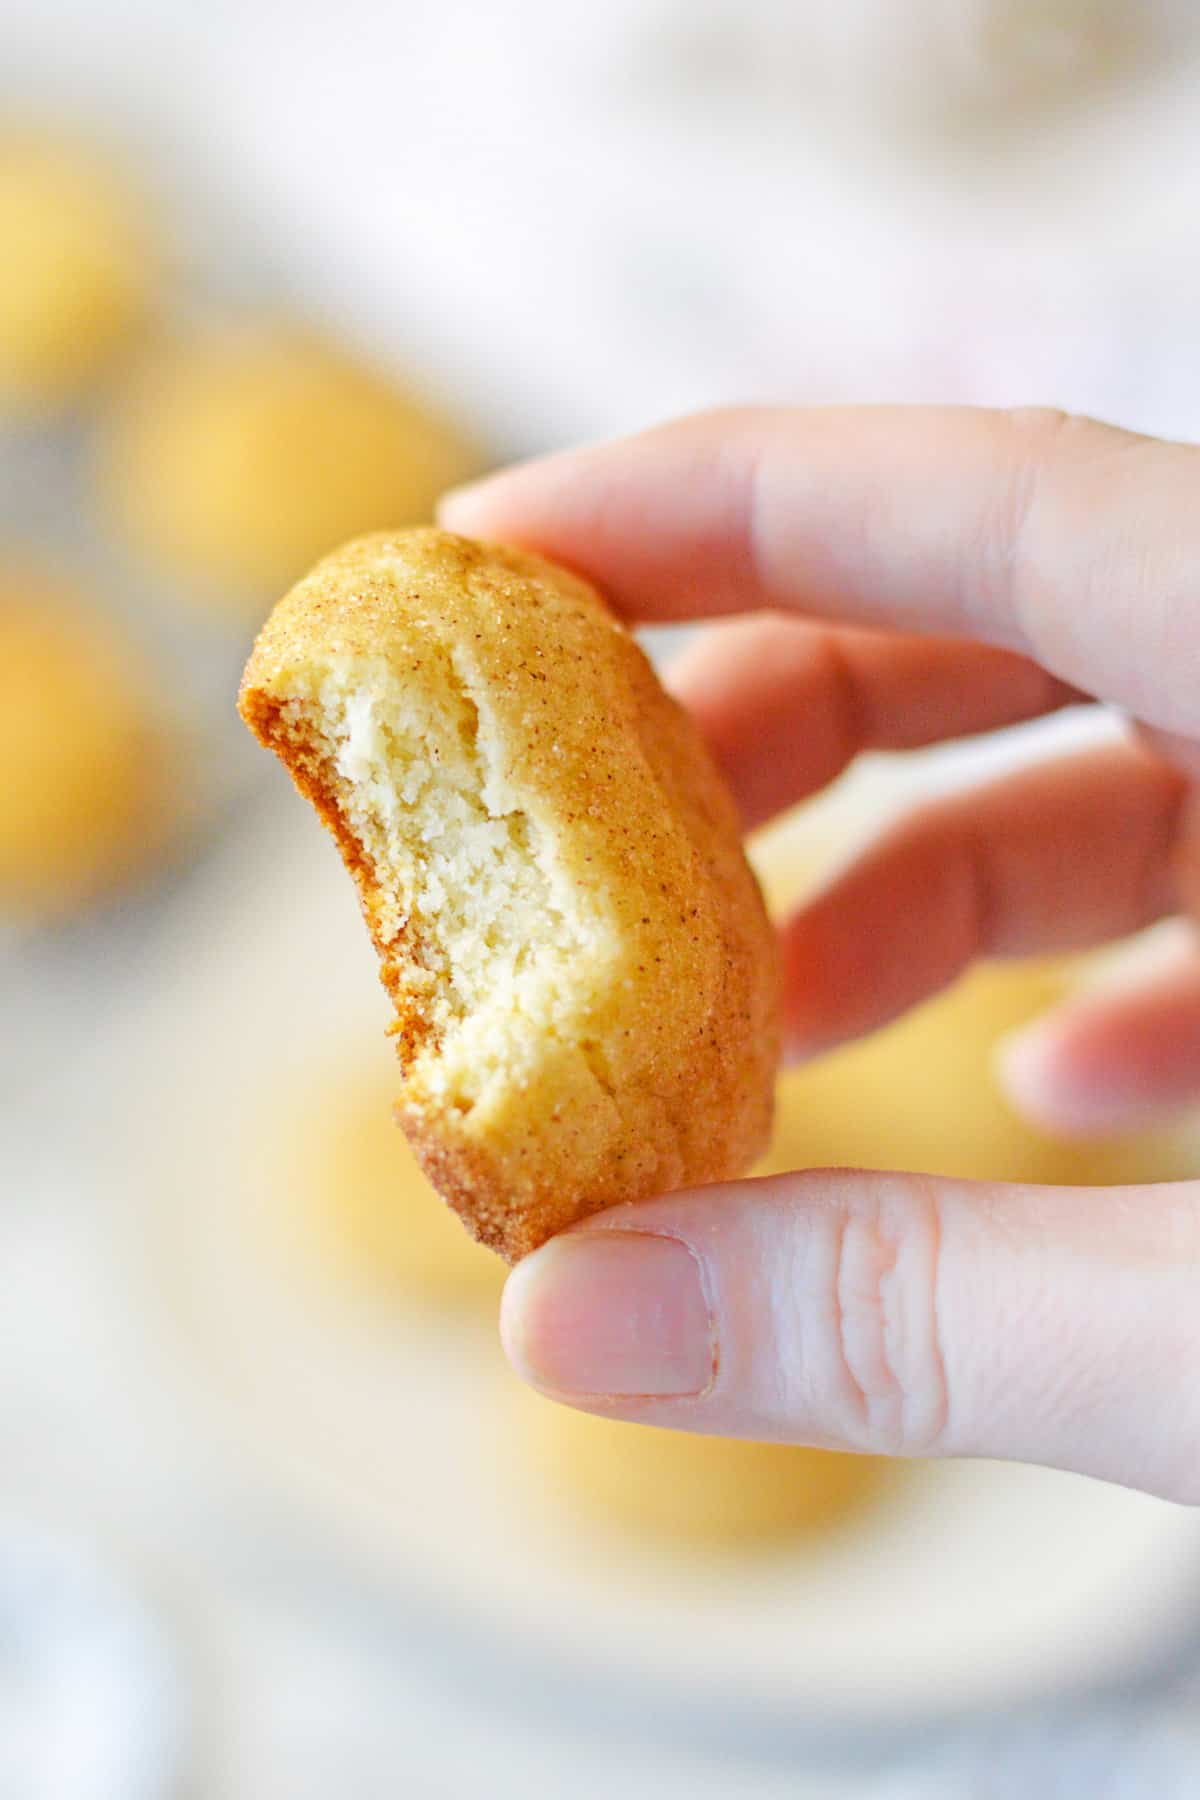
<point>274,1519</point>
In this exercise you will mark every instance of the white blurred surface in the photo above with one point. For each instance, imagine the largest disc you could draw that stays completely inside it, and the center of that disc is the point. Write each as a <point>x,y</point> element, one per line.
<point>227,1639</point>
<point>597,217</point>
<point>91,1703</point>
<point>584,219</point>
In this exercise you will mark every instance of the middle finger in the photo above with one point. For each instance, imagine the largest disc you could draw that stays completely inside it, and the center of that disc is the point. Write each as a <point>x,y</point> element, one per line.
<point>786,705</point>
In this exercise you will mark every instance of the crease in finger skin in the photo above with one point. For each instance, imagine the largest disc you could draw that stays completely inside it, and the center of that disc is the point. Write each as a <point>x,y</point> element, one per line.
<point>883,1306</point>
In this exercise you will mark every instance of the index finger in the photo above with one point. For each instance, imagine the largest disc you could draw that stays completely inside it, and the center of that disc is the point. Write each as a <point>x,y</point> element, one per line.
<point>1074,543</point>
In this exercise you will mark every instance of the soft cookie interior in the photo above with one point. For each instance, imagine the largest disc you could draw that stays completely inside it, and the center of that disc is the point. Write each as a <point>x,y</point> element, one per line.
<point>487,945</point>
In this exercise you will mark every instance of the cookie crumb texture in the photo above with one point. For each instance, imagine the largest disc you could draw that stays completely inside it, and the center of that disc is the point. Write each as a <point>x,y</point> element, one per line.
<point>551,869</point>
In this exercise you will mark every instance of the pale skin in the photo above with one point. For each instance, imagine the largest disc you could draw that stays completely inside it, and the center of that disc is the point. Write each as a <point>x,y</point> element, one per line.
<point>910,574</point>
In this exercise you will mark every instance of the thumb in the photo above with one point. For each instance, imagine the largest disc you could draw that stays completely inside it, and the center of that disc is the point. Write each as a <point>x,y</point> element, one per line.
<point>895,1314</point>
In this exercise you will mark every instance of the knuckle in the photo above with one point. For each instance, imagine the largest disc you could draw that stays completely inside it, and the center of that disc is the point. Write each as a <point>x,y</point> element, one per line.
<point>1041,422</point>
<point>1172,1469</point>
<point>1174,1455</point>
<point>1182,1484</point>
<point>1056,468</point>
<point>1043,433</point>
<point>1030,441</point>
<point>843,696</point>
<point>888,1381</point>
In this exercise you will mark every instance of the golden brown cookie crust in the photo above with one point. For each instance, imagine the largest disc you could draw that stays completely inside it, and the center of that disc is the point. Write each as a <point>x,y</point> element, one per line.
<point>623,1039</point>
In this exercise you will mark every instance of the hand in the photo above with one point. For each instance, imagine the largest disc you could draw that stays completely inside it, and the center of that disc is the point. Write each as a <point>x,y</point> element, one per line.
<point>974,569</point>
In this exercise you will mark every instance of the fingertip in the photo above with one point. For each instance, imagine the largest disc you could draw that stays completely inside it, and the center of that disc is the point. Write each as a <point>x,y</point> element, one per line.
<point>514,1309</point>
<point>467,509</point>
<point>546,505</point>
<point>1024,1061</point>
<point>1041,1078</point>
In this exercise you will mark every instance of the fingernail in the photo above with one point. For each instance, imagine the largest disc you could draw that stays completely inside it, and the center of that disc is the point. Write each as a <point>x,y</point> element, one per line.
<point>617,1314</point>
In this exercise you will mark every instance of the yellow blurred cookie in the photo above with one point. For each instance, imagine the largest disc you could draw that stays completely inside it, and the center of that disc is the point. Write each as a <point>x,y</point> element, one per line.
<point>79,267</point>
<point>355,1188</point>
<point>239,457</point>
<point>84,797</point>
<point>692,1491</point>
